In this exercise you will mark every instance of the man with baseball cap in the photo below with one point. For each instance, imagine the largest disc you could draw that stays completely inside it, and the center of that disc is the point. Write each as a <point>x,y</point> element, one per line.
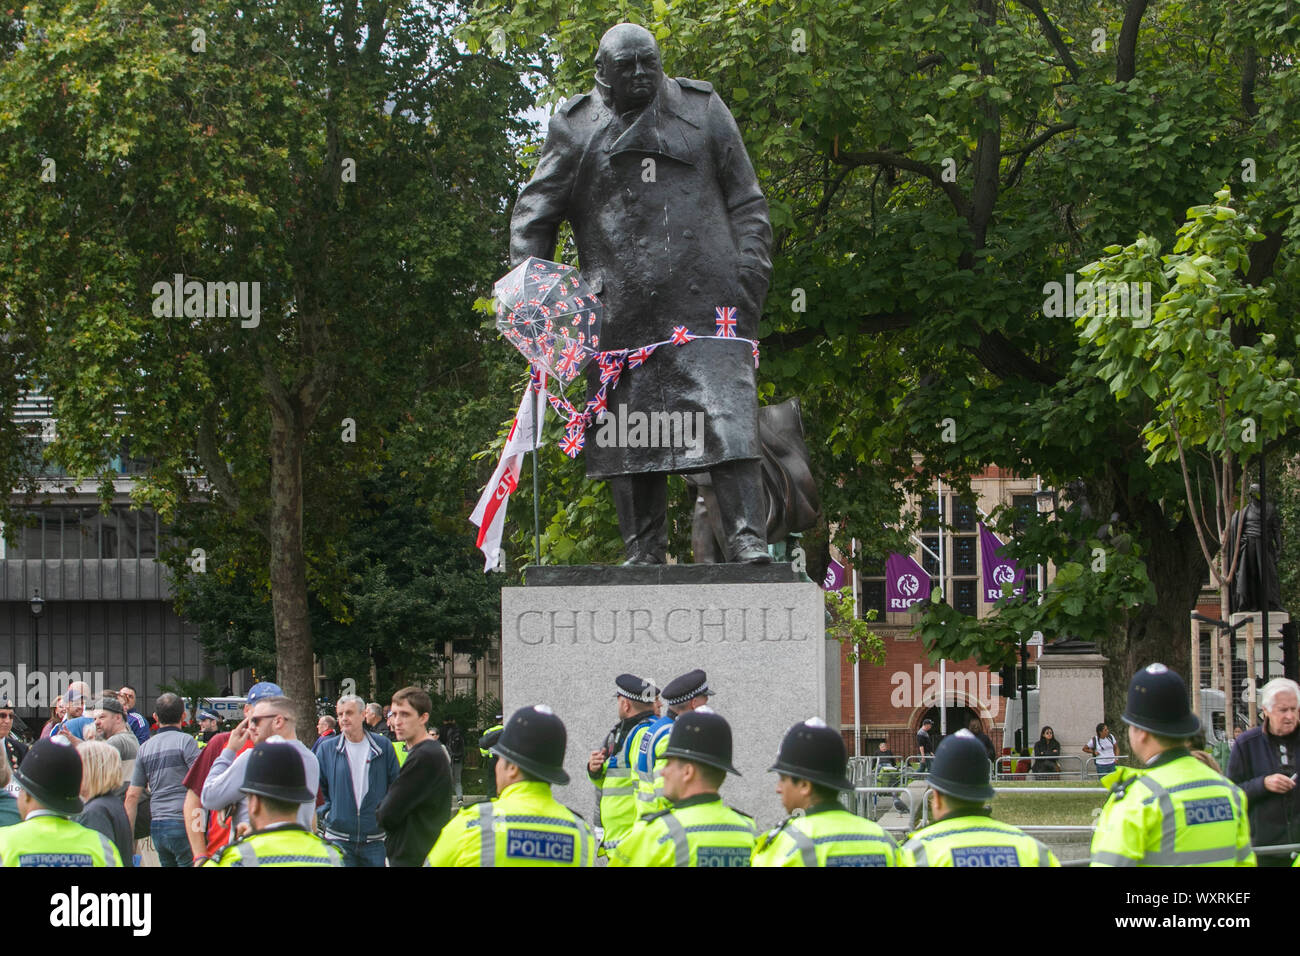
<point>819,832</point>
<point>208,723</point>
<point>526,825</point>
<point>612,768</point>
<point>1173,810</point>
<point>964,833</point>
<point>50,778</point>
<point>699,829</point>
<point>209,831</point>
<point>275,785</point>
<point>682,695</point>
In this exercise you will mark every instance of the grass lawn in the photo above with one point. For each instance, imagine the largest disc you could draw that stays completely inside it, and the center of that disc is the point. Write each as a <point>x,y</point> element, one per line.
<point>1041,809</point>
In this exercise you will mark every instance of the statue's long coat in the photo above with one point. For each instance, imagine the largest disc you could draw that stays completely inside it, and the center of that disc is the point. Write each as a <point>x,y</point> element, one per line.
<point>663,243</point>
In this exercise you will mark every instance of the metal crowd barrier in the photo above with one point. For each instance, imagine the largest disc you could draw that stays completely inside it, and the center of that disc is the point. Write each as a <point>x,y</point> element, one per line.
<point>1290,849</point>
<point>1090,765</point>
<point>1011,760</point>
<point>862,793</point>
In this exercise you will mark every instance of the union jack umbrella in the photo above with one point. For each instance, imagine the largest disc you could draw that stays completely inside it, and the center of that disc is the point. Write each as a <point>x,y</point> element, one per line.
<point>530,297</point>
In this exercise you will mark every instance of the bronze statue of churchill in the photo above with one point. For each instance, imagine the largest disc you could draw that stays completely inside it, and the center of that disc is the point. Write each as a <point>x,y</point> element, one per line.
<point>670,224</point>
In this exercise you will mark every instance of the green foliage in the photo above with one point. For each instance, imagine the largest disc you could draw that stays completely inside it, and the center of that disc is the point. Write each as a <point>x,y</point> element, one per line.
<point>234,162</point>
<point>1211,389</point>
<point>852,631</point>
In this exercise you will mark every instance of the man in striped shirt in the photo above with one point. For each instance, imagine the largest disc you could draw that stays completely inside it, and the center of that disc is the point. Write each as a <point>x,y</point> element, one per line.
<point>161,766</point>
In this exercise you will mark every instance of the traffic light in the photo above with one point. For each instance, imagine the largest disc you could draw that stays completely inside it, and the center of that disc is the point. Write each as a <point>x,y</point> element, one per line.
<point>1007,675</point>
<point>1289,661</point>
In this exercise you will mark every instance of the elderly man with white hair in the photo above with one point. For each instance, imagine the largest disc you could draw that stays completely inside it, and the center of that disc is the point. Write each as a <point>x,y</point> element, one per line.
<point>1264,764</point>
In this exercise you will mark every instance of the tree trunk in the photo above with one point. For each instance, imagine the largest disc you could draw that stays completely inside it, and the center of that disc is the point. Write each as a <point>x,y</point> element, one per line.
<point>295,670</point>
<point>1156,632</point>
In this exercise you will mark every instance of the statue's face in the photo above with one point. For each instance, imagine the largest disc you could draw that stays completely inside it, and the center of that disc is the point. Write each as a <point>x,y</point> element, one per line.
<point>632,70</point>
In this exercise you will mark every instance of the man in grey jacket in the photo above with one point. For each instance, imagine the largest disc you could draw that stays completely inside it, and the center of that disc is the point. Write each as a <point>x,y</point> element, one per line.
<point>271,720</point>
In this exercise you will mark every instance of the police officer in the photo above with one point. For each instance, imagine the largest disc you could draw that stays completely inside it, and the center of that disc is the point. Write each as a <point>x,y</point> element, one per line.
<point>1174,810</point>
<point>964,834</point>
<point>682,695</point>
<point>819,831</point>
<point>275,783</point>
<point>208,723</point>
<point>525,825</point>
<point>612,768</point>
<point>50,778</point>
<point>485,745</point>
<point>699,829</point>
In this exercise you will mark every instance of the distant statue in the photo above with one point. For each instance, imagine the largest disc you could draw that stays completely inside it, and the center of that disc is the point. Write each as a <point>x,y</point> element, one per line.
<point>673,237</point>
<point>1258,532</point>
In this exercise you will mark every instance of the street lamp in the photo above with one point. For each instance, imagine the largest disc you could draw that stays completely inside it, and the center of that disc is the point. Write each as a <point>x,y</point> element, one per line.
<point>37,604</point>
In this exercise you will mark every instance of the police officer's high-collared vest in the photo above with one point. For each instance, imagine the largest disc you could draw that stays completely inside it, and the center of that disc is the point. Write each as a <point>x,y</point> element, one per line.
<point>698,831</point>
<point>826,835</point>
<point>283,845</point>
<point>650,761</point>
<point>972,838</point>
<point>1174,812</point>
<point>618,786</point>
<point>46,839</point>
<point>525,826</point>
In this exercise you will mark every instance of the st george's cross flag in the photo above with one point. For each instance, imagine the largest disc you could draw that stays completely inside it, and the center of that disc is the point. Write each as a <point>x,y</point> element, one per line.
<point>525,434</point>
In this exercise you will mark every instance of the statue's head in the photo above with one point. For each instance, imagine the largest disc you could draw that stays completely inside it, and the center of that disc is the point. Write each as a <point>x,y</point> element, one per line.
<point>628,68</point>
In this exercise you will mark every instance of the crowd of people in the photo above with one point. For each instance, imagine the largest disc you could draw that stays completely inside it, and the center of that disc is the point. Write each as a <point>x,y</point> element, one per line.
<point>377,788</point>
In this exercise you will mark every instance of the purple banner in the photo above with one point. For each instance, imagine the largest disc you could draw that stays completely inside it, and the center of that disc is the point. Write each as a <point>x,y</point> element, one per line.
<point>906,583</point>
<point>834,579</point>
<point>997,569</point>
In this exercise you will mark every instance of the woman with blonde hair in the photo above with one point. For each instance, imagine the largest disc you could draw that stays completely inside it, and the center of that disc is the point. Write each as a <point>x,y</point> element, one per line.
<point>101,788</point>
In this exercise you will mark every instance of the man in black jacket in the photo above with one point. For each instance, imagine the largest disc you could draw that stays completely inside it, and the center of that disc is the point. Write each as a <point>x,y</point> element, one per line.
<point>1264,764</point>
<point>418,803</point>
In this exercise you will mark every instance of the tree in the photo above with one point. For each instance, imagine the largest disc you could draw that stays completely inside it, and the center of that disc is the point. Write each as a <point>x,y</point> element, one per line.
<point>345,167</point>
<point>930,168</point>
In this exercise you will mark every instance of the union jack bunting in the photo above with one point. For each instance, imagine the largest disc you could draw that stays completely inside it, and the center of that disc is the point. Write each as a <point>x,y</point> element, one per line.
<point>755,355</point>
<point>599,405</point>
<point>726,317</point>
<point>611,367</point>
<point>681,335</point>
<point>569,359</point>
<point>573,441</point>
<point>638,358</point>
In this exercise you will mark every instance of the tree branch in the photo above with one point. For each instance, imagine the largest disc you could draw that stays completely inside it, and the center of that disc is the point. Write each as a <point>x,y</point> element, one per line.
<point>1126,54</point>
<point>1054,37</point>
<point>214,466</point>
<point>884,157</point>
<point>1024,152</point>
<point>997,354</point>
<point>1248,73</point>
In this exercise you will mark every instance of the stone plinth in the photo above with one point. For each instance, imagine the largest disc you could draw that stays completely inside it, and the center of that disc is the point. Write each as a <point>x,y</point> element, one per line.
<point>1070,701</point>
<point>762,644</point>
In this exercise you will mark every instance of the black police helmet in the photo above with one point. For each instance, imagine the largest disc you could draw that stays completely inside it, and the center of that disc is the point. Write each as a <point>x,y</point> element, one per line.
<point>961,768</point>
<point>276,771</point>
<point>813,751</point>
<point>51,774</point>
<point>703,737</point>
<point>535,739</point>
<point>1157,703</point>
